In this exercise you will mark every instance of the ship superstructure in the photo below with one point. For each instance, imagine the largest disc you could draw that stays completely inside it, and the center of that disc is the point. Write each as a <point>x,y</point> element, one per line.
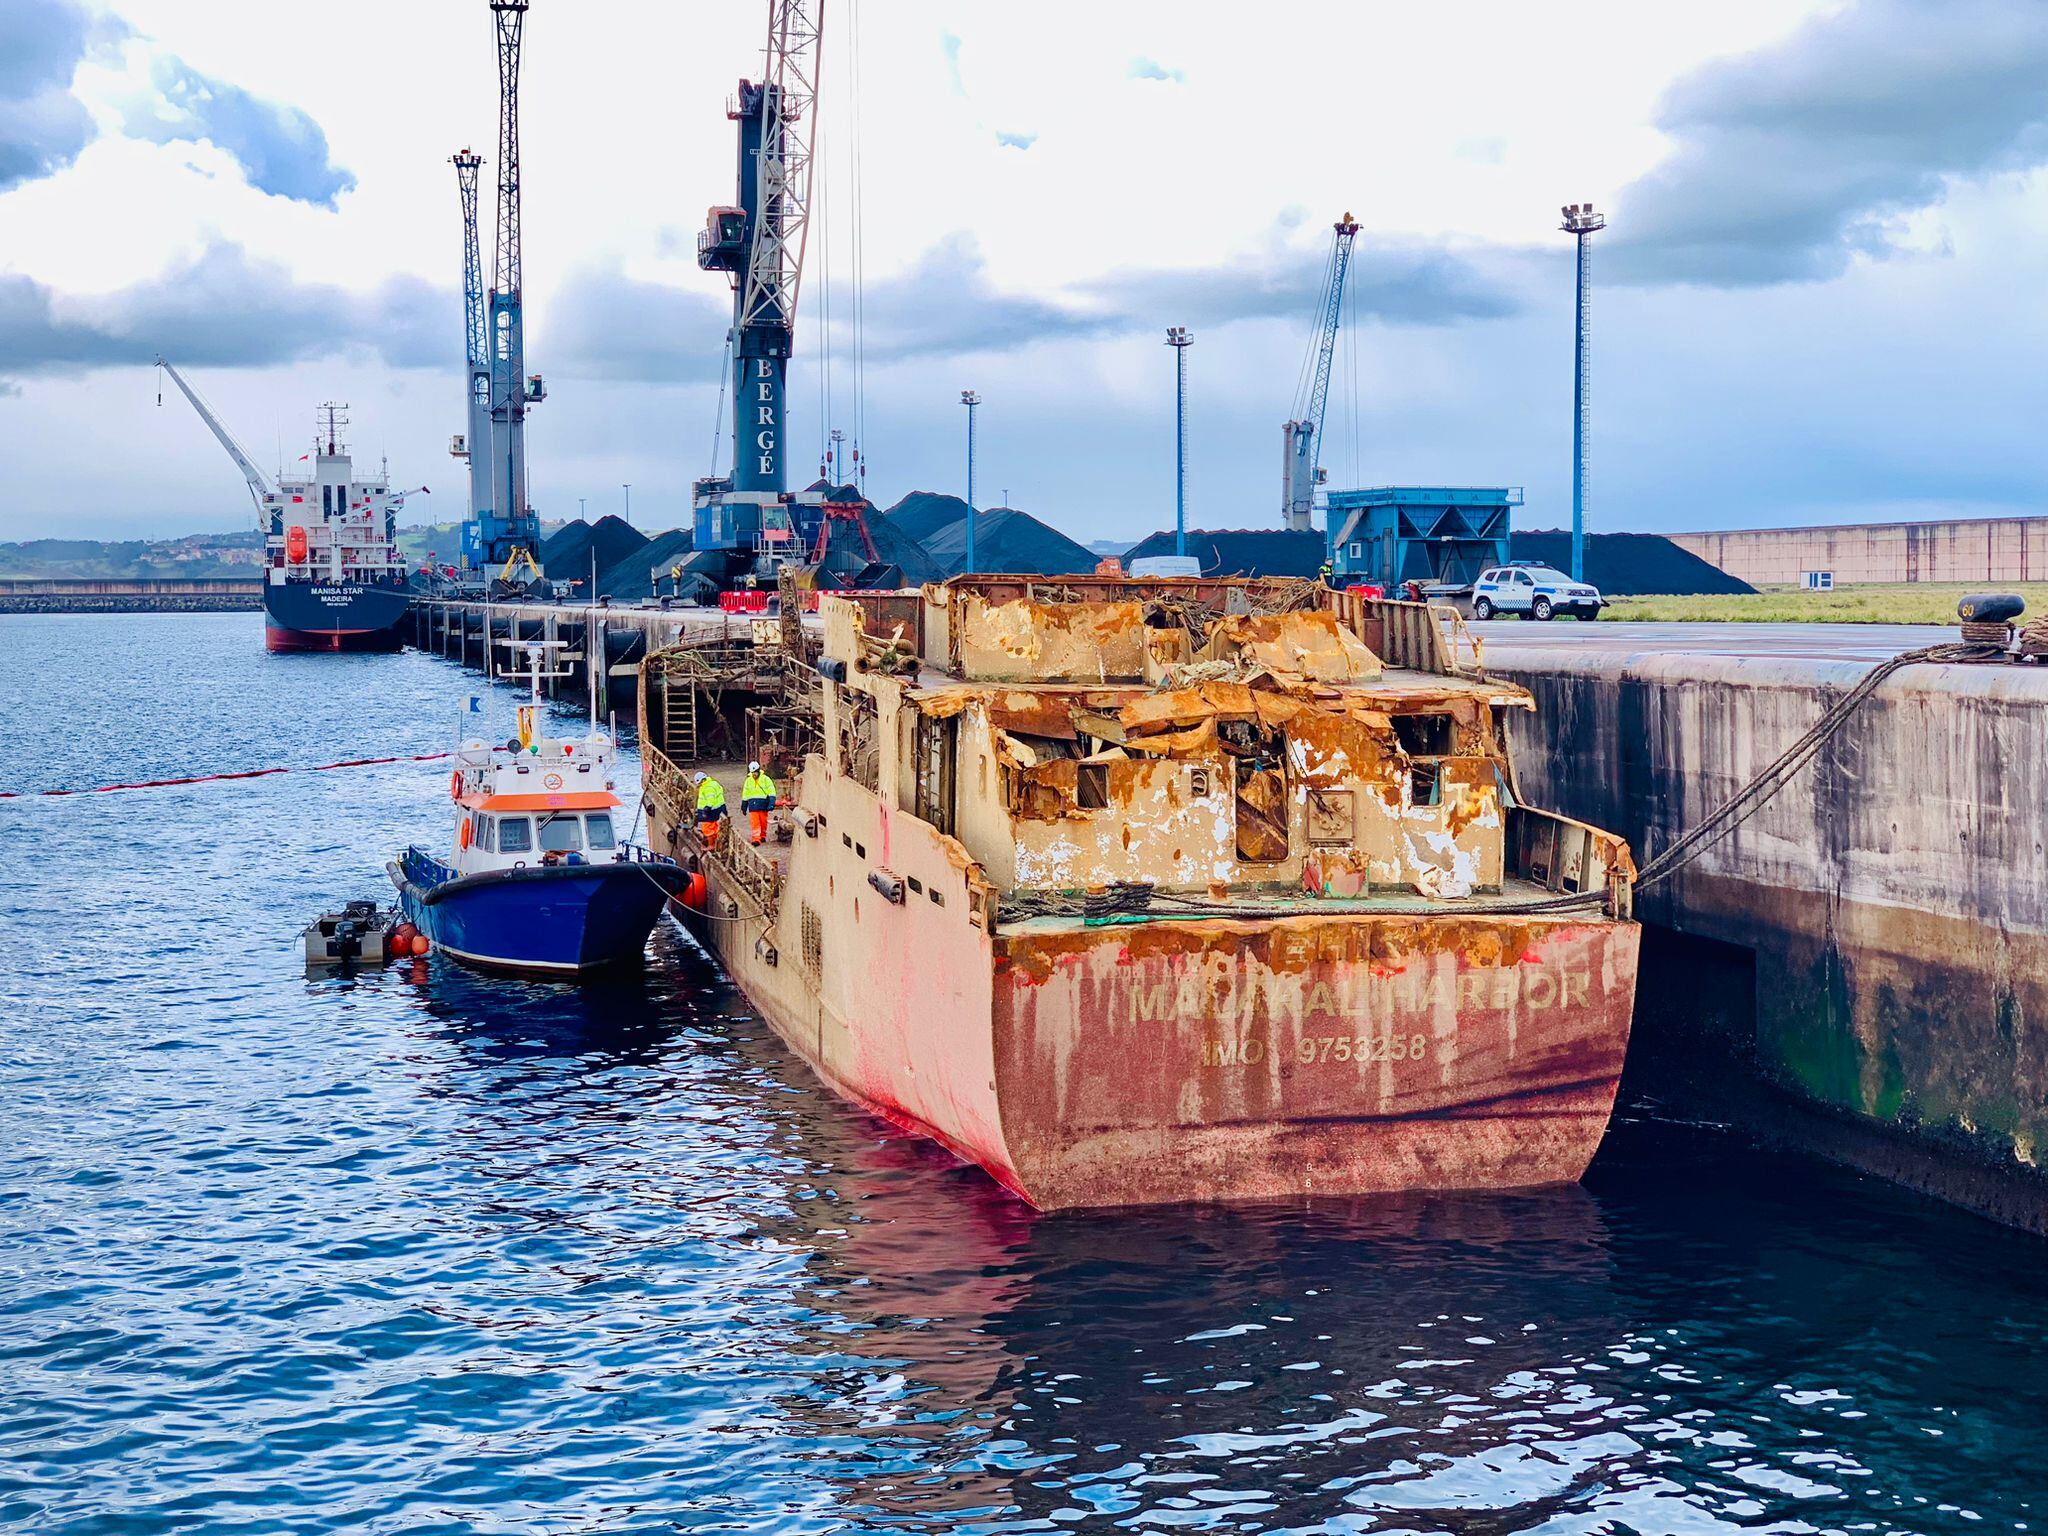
<point>334,579</point>
<point>1150,891</point>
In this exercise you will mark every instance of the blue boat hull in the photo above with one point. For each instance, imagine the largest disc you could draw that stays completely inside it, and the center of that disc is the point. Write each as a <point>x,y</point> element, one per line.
<point>553,919</point>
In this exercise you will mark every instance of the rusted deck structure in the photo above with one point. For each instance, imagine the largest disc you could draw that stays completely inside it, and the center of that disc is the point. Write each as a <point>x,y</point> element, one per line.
<point>1137,892</point>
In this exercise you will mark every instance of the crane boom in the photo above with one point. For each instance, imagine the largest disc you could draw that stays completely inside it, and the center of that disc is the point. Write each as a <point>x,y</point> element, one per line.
<point>476,442</point>
<point>467,164</point>
<point>259,483</point>
<point>1303,437</point>
<point>782,166</point>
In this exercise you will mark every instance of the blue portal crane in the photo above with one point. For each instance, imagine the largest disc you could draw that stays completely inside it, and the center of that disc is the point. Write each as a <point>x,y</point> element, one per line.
<point>1302,438</point>
<point>473,447</point>
<point>760,243</point>
<point>503,529</point>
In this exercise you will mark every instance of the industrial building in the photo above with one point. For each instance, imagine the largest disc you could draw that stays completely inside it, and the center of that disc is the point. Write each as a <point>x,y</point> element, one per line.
<point>1978,549</point>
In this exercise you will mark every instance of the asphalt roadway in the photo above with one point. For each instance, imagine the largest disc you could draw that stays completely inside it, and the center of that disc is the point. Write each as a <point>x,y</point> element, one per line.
<point>1502,638</point>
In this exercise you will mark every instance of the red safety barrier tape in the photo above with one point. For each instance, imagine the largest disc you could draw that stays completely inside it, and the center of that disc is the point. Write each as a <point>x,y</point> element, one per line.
<point>210,778</point>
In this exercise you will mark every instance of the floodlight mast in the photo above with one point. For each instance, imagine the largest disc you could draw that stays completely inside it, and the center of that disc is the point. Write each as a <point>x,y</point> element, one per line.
<point>1180,339</point>
<point>1581,222</point>
<point>970,398</point>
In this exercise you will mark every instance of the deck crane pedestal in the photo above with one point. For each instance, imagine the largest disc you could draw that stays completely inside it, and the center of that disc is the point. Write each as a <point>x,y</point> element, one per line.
<point>1302,438</point>
<point>745,521</point>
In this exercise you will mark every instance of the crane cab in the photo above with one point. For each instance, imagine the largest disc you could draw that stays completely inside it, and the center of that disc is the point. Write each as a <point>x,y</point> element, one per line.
<point>722,242</point>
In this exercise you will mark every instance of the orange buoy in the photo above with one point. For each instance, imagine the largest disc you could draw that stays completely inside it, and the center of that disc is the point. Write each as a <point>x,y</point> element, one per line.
<point>696,892</point>
<point>421,944</point>
<point>455,785</point>
<point>462,833</point>
<point>401,937</point>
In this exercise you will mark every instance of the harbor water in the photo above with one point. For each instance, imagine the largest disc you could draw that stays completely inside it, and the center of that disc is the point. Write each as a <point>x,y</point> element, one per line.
<point>425,1252</point>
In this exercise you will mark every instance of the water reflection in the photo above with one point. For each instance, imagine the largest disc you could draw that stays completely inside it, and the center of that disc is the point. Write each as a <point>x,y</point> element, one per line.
<point>432,1251</point>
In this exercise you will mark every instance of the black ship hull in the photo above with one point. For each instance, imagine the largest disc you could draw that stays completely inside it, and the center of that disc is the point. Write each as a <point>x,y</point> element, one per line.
<point>334,615</point>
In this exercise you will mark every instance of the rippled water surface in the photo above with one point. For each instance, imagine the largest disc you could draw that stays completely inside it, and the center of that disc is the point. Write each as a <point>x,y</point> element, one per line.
<point>425,1252</point>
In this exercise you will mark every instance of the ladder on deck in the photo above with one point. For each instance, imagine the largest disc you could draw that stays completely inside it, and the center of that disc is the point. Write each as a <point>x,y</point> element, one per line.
<point>679,716</point>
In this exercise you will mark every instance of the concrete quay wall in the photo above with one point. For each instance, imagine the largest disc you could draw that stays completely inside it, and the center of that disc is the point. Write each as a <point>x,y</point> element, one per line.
<point>142,595</point>
<point>1890,904</point>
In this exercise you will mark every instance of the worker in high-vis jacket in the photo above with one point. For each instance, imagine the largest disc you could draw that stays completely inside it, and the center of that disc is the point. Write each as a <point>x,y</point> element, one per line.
<point>757,799</point>
<point>710,808</point>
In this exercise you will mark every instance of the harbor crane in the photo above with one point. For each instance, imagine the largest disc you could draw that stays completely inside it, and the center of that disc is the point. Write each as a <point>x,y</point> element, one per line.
<point>261,491</point>
<point>760,244</point>
<point>502,530</point>
<point>1301,468</point>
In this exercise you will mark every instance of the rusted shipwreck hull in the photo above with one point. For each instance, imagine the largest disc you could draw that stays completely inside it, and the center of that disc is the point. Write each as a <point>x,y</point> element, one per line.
<point>1227,1039</point>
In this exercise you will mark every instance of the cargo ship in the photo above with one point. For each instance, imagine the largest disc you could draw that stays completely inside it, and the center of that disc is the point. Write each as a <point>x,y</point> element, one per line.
<point>333,577</point>
<point>1150,891</point>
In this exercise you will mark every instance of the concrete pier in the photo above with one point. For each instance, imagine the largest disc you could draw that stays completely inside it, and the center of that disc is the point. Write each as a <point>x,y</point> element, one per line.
<point>602,646</point>
<point>1880,928</point>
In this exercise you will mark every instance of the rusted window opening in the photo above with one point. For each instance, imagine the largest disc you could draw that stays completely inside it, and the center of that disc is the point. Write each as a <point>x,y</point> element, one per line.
<point>1425,735</point>
<point>936,750</point>
<point>1261,813</point>
<point>1426,787</point>
<point>1091,786</point>
<point>860,755</point>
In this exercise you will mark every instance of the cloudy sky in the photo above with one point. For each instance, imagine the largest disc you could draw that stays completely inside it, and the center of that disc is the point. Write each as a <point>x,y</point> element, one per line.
<point>1823,297</point>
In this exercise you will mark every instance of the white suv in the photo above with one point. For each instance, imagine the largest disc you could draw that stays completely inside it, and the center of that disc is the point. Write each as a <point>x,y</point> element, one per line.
<point>1533,591</point>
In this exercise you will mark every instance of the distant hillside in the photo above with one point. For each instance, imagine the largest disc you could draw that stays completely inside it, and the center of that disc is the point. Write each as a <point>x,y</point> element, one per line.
<point>195,555</point>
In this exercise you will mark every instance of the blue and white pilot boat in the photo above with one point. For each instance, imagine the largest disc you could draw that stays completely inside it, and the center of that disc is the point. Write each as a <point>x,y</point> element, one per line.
<point>539,880</point>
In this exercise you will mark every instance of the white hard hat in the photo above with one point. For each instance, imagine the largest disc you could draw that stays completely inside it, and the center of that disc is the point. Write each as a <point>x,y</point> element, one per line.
<point>753,767</point>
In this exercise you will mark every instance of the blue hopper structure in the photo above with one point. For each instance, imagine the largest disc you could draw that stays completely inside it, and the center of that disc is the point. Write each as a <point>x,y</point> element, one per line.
<point>1392,534</point>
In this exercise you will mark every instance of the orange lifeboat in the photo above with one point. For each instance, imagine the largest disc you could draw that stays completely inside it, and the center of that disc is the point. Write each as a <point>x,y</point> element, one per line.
<point>295,545</point>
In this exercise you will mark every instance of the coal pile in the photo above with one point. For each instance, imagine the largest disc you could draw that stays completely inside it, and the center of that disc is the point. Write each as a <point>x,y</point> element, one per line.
<point>1005,539</point>
<point>629,579</point>
<point>1629,564</point>
<point>1242,551</point>
<point>569,554</point>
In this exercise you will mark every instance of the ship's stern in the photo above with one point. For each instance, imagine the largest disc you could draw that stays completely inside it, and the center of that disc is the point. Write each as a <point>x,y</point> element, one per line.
<point>1219,1059</point>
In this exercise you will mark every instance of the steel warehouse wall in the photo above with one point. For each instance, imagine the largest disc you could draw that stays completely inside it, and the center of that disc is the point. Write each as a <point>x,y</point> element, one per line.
<point>1988,549</point>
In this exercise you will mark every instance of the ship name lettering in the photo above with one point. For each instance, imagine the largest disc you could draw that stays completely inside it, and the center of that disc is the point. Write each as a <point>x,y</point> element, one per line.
<point>1538,989</point>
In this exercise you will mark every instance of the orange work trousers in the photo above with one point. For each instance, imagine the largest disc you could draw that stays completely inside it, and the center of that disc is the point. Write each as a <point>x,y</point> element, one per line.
<point>757,826</point>
<point>708,830</point>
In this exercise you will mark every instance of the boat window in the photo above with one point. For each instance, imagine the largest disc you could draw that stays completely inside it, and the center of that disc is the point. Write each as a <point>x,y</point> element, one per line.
<point>486,826</point>
<point>561,834</point>
<point>601,831</point>
<point>515,834</point>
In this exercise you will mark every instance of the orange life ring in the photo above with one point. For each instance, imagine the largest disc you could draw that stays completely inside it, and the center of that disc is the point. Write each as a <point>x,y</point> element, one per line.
<point>455,785</point>
<point>462,836</point>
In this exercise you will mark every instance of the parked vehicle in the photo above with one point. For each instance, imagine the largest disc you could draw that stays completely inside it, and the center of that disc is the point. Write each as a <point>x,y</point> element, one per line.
<point>1533,591</point>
